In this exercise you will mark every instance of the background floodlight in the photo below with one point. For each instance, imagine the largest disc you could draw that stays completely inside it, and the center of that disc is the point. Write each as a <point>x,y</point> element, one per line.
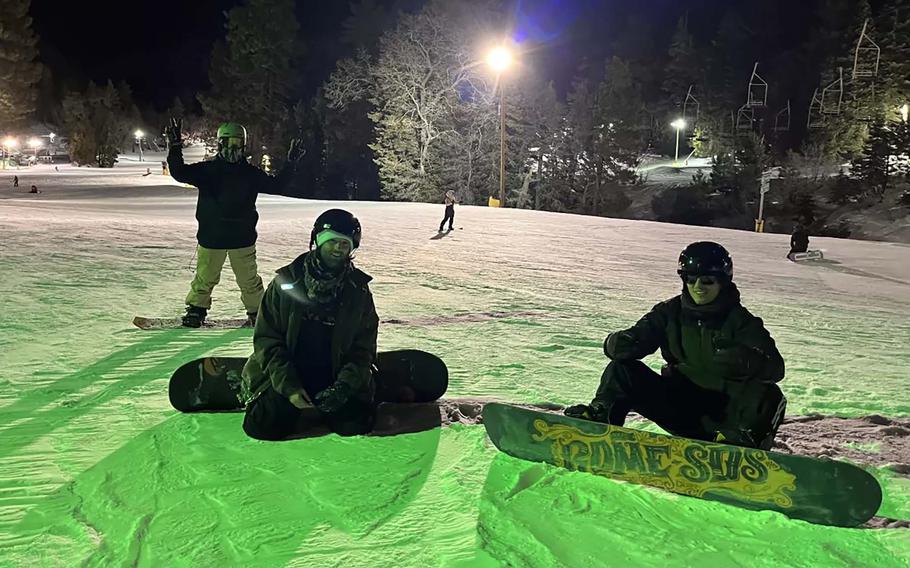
<point>499,59</point>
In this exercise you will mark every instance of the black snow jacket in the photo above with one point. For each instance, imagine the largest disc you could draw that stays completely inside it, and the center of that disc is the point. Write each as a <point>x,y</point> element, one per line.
<point>691,339</point>
<point>278,334</point>
<point>226,208</point>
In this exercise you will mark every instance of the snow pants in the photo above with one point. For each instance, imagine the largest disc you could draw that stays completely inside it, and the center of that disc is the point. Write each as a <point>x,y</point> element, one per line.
<point>749,414</point>
<point>449,216</point>
<point>272,417</point>
<point>209,263</point>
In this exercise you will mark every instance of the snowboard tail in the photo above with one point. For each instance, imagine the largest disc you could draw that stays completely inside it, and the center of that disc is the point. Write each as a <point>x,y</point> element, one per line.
<point>819,491</point>
<point>214,384</point>
<point>177,323</point>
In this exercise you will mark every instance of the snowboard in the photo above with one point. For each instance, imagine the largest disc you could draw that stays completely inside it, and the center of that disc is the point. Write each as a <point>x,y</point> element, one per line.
<point>819,491</point>
<point>177,322</point>
<point>213,384</point>
<point>808,255</point>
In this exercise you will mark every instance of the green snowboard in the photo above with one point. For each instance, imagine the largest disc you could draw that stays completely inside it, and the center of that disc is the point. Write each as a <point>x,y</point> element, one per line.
<point>214,384</point>
<point>819,491</point>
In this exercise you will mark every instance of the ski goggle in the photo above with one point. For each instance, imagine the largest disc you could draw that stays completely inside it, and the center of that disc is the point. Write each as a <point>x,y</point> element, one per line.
<point>706,279</point>
<point>233,142</point>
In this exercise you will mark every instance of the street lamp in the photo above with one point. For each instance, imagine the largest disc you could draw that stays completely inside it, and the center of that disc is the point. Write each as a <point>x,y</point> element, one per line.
<point>9,143</point>
<point>139,134</point>
<point>499,59</point>
<point>34,144</point>
<point>678,124</point>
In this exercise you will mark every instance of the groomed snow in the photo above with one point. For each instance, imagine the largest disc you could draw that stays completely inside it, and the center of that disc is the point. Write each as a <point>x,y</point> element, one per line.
<point>97,470</point>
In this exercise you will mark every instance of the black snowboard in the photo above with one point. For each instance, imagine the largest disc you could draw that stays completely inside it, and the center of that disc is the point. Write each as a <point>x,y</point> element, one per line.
<point>213,384</point>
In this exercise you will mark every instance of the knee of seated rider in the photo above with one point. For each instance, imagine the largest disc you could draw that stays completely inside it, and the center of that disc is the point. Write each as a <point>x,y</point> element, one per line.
<point>256,431</point>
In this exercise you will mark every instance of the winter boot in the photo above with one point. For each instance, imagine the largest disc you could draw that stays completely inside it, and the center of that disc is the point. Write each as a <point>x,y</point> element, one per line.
<point>251,319</point>
<point>194,316</point>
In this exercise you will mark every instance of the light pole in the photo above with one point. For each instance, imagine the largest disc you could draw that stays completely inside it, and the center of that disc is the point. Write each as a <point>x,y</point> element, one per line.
<point>9,143</point>
<point>34,144</point>
<point>499,59</point>
<point>678,124</point>
<point>139,134</point>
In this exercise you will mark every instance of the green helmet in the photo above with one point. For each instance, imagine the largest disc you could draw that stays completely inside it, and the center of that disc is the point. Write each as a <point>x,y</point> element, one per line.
<point>232,130</point>
<point>231,142</point>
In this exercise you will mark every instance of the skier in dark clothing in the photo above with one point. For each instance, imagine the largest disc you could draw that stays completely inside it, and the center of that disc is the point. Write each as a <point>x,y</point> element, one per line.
<point>227,216</point>
<point>718,383</point>
<point>15,181</point>
<point>799,240</point>
<point>450,202</point>
<point>315,340</point>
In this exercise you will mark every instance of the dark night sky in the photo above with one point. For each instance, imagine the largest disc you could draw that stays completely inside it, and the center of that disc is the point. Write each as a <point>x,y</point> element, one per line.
<point>162,48</point>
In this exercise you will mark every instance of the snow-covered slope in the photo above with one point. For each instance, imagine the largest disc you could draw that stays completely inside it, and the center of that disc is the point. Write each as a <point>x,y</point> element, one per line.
<point>96,469</point>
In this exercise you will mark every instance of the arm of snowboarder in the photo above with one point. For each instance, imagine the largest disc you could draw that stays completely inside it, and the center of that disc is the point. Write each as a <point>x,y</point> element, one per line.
<point>638,341</point>
<point>269,345</point>
<point>753,357</point>
<point>356,371</point>
<point>179,170</point>
<point>279,184</point>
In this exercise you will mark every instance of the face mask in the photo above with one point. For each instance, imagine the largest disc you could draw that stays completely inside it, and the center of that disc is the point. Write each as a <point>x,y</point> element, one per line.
<point>231,149</point>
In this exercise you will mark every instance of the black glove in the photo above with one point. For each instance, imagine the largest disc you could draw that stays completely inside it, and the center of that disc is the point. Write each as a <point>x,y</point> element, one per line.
<point>333,398</point>
<point>735,361</point>
<point>620,345</point>
<point>296,151</point>
<point>172,133</point>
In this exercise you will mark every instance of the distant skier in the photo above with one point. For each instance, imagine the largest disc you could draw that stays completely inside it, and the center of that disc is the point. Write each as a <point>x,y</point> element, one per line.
<point>315,339</point>
<point>718,382</point>
<point>799,240</point>
<point>450,202</point>
<point>227,216</point>
<point>15,182</point>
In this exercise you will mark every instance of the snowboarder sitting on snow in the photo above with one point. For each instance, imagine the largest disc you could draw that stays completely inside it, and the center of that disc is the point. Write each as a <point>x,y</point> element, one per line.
<point>799,240</point>
<point>227,216</point>
<point>450,202</point>
<point>315,340</point>
<point>718,383</point>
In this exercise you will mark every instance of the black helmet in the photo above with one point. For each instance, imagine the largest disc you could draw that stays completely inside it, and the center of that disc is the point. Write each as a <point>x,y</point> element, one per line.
<point>339,221</point>
<point>705,258</point>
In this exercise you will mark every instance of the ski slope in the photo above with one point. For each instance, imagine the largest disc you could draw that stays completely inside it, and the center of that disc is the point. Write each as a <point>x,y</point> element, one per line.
<point>97,470</point>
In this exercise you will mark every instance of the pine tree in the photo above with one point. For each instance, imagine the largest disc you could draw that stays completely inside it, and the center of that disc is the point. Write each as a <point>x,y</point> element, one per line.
<point>893,37</point>
<point>98,122</point>
<point>19,70</point>
<point>683,69</point>
<point>252,74</point>
<point>872,166</point>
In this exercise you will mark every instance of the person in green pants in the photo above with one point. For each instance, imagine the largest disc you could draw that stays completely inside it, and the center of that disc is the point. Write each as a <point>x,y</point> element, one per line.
<point>226,212</point>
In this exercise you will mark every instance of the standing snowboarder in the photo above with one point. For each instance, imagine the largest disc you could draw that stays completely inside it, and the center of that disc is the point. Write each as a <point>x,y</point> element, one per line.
<point>718,383</point>
<point>227,216</point>
<point>450,202</point>
<point>799,240</point>
<point>315,340</point>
